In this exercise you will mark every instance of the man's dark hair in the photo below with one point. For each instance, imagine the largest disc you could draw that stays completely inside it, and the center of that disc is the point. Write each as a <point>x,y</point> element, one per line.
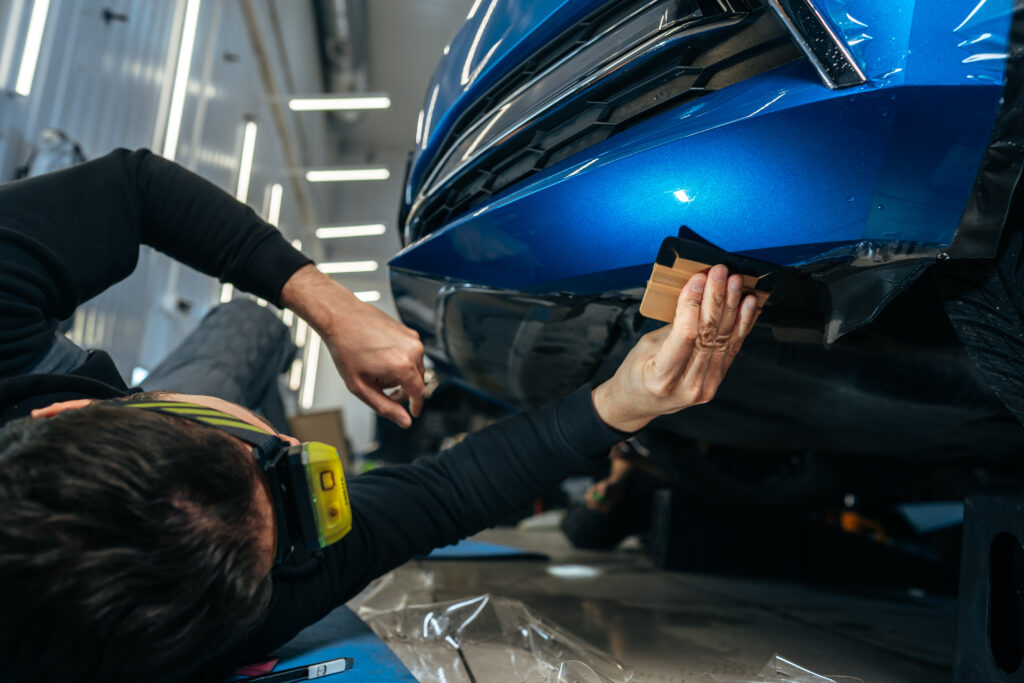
<point>129,546</point>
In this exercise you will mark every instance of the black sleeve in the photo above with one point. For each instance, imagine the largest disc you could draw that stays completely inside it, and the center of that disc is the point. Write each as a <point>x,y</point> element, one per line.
<point>67,236</point>
<point>405,511</point>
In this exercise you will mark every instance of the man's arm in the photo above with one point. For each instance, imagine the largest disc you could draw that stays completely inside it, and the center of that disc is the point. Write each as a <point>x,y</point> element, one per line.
<point>404,511</point>
<point>371,351</point>
<point>67,236</point>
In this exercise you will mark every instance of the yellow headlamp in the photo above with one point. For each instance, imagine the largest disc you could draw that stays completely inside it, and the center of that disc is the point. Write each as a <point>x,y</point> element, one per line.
<point>306,481</point>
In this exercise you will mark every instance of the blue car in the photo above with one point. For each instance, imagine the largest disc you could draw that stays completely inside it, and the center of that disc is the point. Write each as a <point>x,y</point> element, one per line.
<point>862,154</point>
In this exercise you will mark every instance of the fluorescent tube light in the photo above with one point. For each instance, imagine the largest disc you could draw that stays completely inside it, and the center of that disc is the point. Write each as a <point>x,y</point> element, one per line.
<point>368,296</point>
<point>245,163</point>
<point>33,41</point>
<point>274,205</point>
<point>348,267</point>
<point>342,103</point>
<point>312,360</point>
<point>350,231</point>
<point>188,39</point>
<point>327,175</point>
<point>226,292</point>
<point>295,375</point>
<point>297,243</point>
<point>301,328</point>
<point>10,38</point>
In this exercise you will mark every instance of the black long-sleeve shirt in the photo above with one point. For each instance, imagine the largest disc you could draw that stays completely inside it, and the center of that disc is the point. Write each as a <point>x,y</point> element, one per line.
<point>67,236</point>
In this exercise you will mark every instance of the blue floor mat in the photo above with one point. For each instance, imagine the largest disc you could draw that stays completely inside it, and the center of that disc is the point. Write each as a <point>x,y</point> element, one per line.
<point>467,549</point>
<point>342,634</point>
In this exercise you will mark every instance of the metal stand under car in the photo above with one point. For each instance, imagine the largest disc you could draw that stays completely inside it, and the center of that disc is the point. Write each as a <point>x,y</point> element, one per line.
<point>990,628</point>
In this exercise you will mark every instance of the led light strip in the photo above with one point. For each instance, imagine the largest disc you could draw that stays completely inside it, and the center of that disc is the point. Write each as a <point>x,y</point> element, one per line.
<point>188,39</point>
<point>348,267</point>
<point>33,41</point>
<point>328,175</point>
<point>369,296</point>
<point>245,162</point>
<point>339,103</point>
<point>274,204</point>
<point>312,361</point>
<point>350,231</point>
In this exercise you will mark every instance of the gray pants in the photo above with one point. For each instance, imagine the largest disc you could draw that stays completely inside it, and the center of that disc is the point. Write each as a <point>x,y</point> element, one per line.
<point>236,353</point>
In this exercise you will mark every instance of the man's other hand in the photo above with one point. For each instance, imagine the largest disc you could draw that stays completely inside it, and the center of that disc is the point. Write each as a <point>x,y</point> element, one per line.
<point>682,364</point>
<point>375,353</point>
<point>372,351</point>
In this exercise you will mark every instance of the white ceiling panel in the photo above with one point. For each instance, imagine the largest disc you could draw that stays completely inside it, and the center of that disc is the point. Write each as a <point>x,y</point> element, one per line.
<point>406,43</point>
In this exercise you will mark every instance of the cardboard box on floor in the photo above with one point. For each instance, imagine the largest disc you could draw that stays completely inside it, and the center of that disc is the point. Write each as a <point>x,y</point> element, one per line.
<point>326,426</point>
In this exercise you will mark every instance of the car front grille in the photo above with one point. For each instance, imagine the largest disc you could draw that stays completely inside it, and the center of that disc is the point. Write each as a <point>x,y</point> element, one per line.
<point>562,112</point>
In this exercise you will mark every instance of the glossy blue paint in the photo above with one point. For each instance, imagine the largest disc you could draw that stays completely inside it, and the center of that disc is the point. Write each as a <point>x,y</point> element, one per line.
<point>777,165</point>
<point>775,161</point>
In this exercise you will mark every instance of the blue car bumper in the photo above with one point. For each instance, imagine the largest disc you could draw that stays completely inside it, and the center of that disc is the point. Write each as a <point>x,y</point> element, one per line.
<point>859,185</point>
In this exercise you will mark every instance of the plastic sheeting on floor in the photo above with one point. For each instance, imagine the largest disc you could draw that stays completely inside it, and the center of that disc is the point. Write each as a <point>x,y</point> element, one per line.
<point>479,638</point>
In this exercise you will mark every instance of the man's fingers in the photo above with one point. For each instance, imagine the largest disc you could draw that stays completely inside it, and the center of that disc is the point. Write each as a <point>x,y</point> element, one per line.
<point>415,390</point>
<point>408,386</point>
<point>748,315</point>
<point>693,376</point>
<point>686,353</point>
<point>402,381</point>
<point>711,307</point>
<point>382,405</point>
<point>712,318</point>
<point>396,394</point>
<point>415,351</point>
<point>678,345</point>
<point>733,295</point>
<point>413,381</point>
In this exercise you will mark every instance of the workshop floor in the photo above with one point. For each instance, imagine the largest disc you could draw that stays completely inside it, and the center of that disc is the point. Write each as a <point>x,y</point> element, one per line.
<point>673,626</point>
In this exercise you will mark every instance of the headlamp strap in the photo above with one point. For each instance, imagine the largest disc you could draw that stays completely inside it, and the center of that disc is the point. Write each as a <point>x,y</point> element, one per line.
<point>266,443</point>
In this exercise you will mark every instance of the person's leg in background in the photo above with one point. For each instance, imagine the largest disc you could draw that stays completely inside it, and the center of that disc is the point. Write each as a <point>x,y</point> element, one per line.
<point>617,505</point>
<point>236,353</point>
<point>63,356</point>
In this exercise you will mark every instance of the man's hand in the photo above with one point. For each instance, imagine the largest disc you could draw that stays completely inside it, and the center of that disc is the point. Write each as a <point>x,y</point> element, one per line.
<point>372,351</point>
<point>682,364</point>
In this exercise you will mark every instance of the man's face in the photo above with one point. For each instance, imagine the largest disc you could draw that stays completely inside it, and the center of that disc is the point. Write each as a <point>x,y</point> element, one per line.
<point>264,507</point>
